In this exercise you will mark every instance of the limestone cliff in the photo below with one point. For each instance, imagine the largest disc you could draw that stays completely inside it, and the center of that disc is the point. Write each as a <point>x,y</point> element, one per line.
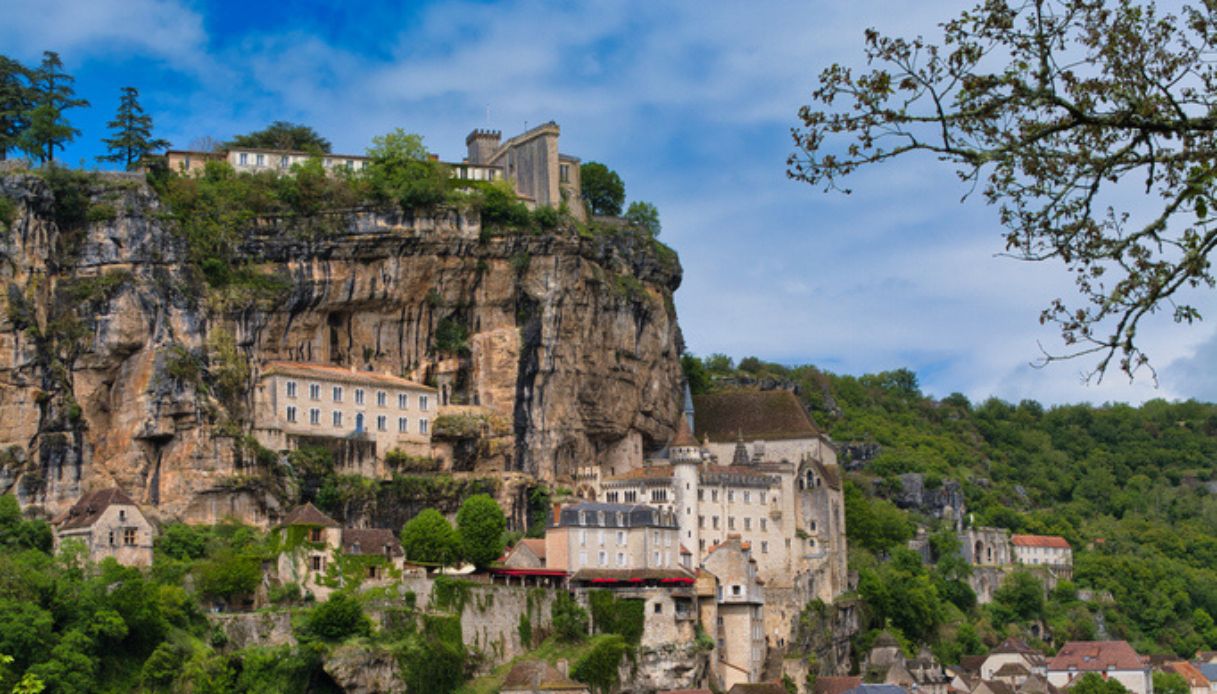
<point>116,359</point>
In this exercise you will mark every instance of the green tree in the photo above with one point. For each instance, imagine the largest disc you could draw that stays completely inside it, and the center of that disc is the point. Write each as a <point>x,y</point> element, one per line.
<point>18,533</point>
<point>1170,683</point>
<point>602,189</point>
<point>402,170</point>
<point>429,537</point>
<point>644,215</point>
<point>1020,598</point>
<point>598,668</point>
<point>1047,107</point>
<point>480,524</point>
<point>284,135</point>
<point>15,106</point>
<point>1093,683</point>
<point>338,618</point>
<point>569,619</point>
<point>228,574</point>
<point>695,373</point>
<point>874,524</point>
<point>51,94</point>
<point>132,129</point>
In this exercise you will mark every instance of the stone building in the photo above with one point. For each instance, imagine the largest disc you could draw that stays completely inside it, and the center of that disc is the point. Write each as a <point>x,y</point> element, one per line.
<point>1051,551</point>
<point>624,537</point>
<point>1014,652</point>
<point>790,510</point>
<point>539,677</point>
<point>360,415</point>
<point>109,524</point>
<point>1114,660</point>
<point>739,631</point>
<point>540,174</point>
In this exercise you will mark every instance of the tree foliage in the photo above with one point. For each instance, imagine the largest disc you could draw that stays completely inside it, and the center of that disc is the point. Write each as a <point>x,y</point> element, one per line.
<point>429,537</point>
<point>480,523</point>
<point>284,135</point>
<point>602,189</point>
<point>132,128</point>
<point>644,215</point>
<point>402,170</point>
<point>15,103</point>
<point>51,93</point>
<point>1061,112</point>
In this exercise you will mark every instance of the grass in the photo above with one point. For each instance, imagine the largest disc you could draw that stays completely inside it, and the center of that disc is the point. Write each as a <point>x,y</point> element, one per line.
<point>550,650</point>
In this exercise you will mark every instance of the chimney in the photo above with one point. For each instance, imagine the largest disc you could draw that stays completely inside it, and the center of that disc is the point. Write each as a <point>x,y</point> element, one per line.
<point>557,515</point>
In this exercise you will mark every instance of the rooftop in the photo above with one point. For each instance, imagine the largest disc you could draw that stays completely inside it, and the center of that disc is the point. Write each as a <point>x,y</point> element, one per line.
<point>330,372</point>
<point>1096,656</point>
<point>371,541</point>
<point>1053,541</point>
<point>308,514</point>
<point>754,415</point>
<point>89,508</point>
<point>836,685</point>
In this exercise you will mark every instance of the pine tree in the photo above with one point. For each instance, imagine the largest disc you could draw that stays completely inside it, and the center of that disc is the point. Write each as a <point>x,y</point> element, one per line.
<point>52,94</point>
<point>132,129</point>
<point>14,103</point>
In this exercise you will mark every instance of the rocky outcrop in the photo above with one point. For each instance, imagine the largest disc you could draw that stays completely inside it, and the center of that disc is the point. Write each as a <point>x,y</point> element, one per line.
<point>363,669</point>
<point>672,666</point>
<point>111,344</point>
<point>250,629</point>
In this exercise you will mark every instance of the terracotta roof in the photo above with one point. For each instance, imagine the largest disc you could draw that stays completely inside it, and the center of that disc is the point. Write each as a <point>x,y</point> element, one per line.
<point>684,437</point>
<point>308,514</point>
<point>754,415</point>
<point>1096,656</point>
<point>88,509</point>
<point>538,675</point>
<point>329,372</point>
<point>370,541</point>
<point>835,685</point>
<point>1189,672</point>
<point>1054,541</point>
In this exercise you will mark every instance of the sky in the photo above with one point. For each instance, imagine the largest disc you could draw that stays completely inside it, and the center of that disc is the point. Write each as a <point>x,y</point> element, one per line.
<point>692,103</point>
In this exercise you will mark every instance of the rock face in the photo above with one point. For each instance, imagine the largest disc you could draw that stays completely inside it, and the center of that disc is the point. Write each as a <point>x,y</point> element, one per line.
<point>114,355</point>
<point>672,666</point>
<point>361,669</point>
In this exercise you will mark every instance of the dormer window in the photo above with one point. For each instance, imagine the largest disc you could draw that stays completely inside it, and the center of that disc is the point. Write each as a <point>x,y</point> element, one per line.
<point>600,518</point>
<point>122,515</point>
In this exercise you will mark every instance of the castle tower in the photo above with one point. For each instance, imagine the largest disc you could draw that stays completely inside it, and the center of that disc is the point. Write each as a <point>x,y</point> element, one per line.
<point>684,455</point>
<point>482,144</point>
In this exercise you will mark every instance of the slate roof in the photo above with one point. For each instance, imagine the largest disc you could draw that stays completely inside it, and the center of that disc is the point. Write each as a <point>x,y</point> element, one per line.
<point>1053,541</point>
<point>633,516</point>
<point>1189,672</point>
<point>972,663</point>
<point>754,415</point>
<point>308,514</point>
<point>629,574</point>
<point>91,506</point>
<point>371,541</point>
<point>328,372</point>
<point>1011,670</point>
<point>1096,656</point>
<point>876,689</point>
<point>1209,670</point>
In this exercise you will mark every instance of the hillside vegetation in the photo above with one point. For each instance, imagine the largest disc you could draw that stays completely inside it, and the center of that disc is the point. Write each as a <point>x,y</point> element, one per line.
<point>1129,487</point>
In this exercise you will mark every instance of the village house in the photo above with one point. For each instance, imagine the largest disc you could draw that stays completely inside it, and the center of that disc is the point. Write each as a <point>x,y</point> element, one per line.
<point>109,524</point>
<point>359,415</point>
<point>740,596</point>
<point>1013,651</point>
<point>1196,680</point>
<point>1051,551</point>
<point>311,544</point>
<point>1109,659</point>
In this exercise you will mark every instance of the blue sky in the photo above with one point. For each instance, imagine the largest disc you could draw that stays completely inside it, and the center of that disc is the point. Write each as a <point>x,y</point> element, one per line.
<point>692,102</point>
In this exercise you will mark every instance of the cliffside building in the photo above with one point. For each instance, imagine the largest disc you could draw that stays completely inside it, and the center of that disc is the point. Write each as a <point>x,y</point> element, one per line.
<point>311,542</point>
<point>360,415</point>
<point>739,633</point>
<point>613,537</point>
<point>1043,550</point>
<point>110,525</point>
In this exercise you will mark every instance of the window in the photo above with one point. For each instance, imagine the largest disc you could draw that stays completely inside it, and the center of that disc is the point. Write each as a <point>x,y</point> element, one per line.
<point>621,537</point>
<point>243,158</point>
<point>291,389</point>
<point>656,559</point>
<point>620,518</point>
<point>714,520</point>
<point>713,495</point>
<point>762,497</point>
<point>260,159</point>
<point>735,590</point>
<point>314,391</point>
<point>601,537</point>
<point>747,524</point>
<point>621,559</point>
<point>583,559</point>
<point>111,538</point>
<point>582,538</point>
<point>763,523</point>
<point>658,608</point>
<point>701,521</point>
<point>314,416</point>
<point>730,496</point>
<point>291,413</point>
<point>603,559</point>
<point>701,545</point>
<point>122,515</point>
<point>403,401</point>
<point>747,497</point>
<point>186,163</point>
<point>422,402</point>
<point>372,571</point>
<point>701,495</point>
<point>318,562</point>
<point>337,393</point>
<point>731,523</point>
<point>382,423</point>
<point>350,163</point>
<point>359,396</point>
<point>564,173</point>
<point>403,425</point>
<point>655,536</point>
<point>328,162</point>
<point>764,547</point>
<point>380,398</point>
<point>337,418</point>
<point>422,426</point>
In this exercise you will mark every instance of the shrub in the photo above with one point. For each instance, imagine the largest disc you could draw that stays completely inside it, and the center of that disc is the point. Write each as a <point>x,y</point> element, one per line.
<point>8,213</point>
<point>287,593</point>
<point>644,215</point>
<point>569,619</point>
<point>501,208</point>
<point>598,668</point>
<point>401,170</point>
<point>480,524</point>
<point>617,616</point>
<point>337,619</point>
<point>451,336</point>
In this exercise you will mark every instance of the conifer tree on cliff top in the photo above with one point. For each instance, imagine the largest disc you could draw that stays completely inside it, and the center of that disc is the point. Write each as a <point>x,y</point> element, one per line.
<point>51,94</point>
<point>132,129</point>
